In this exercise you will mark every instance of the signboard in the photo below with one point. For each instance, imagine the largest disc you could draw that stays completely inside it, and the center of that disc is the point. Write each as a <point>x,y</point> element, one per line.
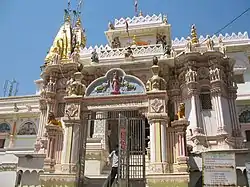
<point>248,171</point>
<point>219,169</point>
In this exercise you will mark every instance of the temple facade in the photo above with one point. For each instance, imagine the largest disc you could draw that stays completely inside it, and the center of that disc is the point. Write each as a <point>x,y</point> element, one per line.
<point>163,101</point>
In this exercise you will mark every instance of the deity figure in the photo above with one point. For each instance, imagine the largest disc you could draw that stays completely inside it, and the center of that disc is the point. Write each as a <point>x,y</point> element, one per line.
<point>51,85</point>
<point>189,46</point>
<point>55,56</point>
<point>75,55</point>
<point>181,111</point>
<point>116,43</point>
<point>77,87</point>
<point>94,57</point>
<point>111,26</point>
<point>69,82</point>
<point>167,50</point>
<point>210,44</point>
<point>128,53</point>
<point>161,39</point>
<point>53,121</point>
<point>116,83</point>
<point>222,47</point>
<point>191,75</point>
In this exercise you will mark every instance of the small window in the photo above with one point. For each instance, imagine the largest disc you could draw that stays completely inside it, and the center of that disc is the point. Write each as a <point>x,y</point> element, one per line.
<point>205,99</point>
<point>2,141</point>
<point>248,135</point>
<point>239,78</point>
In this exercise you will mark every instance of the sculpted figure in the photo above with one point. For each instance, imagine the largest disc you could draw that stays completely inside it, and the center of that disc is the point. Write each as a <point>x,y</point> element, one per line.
<point>94,57</point>
<point>188,45</point>
<point>55,56</point>
<point>222,47</point>
<point>77,87</point>
<point>116,84</point>
<point>129,52</point>
<point>53,121</point>
<point>116,43</point>
<point>181,111</point>
<point>68,84</point>
<point>210,44</point>
<point>111,26</point>
<point>75,55</point>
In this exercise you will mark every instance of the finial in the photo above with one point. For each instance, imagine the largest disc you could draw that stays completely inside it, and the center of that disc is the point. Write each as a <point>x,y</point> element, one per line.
<point>78,22</point>
<point>194,38</point>
<point>134,40</point>
<point>140,14</point>
<point>66,16</point>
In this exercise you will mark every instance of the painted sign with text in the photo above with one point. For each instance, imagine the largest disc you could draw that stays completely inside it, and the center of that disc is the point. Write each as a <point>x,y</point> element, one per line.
<point>219,169</point>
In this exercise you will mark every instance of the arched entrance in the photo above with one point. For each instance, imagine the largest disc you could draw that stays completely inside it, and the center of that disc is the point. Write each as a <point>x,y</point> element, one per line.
<point>115,103</point>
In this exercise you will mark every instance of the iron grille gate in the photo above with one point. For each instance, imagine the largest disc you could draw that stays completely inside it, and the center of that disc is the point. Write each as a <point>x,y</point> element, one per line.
<point>131,171</point>
<point>131,137</point>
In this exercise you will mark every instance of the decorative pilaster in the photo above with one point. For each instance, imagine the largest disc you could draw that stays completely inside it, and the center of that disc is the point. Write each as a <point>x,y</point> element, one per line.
<point>158,118</point>
<point>180,127</point>
<point>53,131</point>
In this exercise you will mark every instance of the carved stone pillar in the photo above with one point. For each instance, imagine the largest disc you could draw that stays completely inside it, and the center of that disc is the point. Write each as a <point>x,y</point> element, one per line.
<point>180,127</point>
<point>158,119</point>
<point>49,162</point>
<point>72,123</point>
<point>192,85</point>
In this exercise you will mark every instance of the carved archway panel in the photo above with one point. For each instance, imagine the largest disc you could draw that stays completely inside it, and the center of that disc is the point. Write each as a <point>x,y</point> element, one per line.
<point>115,82</point>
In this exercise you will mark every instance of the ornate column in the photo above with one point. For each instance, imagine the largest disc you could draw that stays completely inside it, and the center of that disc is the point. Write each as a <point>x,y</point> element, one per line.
<point>180,127</point>
<point>217,89</point>
<point>53,131</point>
<point>158,118</point>
<point>192,85</point>
<point>73,122</point>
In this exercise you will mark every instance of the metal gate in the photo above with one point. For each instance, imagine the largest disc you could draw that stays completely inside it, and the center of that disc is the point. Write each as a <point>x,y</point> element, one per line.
<point>131,137</point>
<point>131,171</point>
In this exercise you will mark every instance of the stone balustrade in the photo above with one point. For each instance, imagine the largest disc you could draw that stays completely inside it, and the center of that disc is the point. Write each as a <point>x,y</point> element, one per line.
<point>106,52</point>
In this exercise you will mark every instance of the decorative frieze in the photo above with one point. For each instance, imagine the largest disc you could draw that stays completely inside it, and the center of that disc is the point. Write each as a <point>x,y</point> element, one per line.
<point>8,167</point>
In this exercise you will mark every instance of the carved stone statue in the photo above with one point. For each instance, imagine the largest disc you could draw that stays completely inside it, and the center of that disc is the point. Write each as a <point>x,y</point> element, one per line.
<point>189,46</point>
<point>111,26</point>
<point>116,43</point>
<point>181,111</point>
<point>55,56</point>
<point>53,121</point>
<point>191,76</point>
<point>222,47</point>
<point>94,57</point>
<point>210,44</point>
<point>165,20</point>
<point>77,88</point>
<point>51,86</point>
<point>69,82</point>
<point>75,56</point>
<point>129,52</point>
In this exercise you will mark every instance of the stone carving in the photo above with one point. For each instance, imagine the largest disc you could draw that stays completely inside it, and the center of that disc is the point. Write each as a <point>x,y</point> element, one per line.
<point>72,110</point>
<point>16,109</point>
<point>191,76</point>
<point>157,105</point>
<point>94,57</point>
<point>116,43</point>
<point>75,56</point>
<point>111,26</point>
<point>161,39</point>
<point>203,73</point>
<point>210,44</point>
<point>189,45</point>
<point>76,88</point>
<point>155,82</point>
<point>128,53</point>
<point>165,20</point>
<point>29,108</point>
<point>116,82</point>
<point>28,128</point>
<point>53,121</point>
<point>215,74</point>
<point>55,56</point>
<point>181,111</point>
<point>51,86</point>
<point>222,47</point>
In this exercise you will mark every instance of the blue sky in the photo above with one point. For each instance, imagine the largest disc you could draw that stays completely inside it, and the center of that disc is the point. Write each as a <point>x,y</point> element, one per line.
<point>28,27</point>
